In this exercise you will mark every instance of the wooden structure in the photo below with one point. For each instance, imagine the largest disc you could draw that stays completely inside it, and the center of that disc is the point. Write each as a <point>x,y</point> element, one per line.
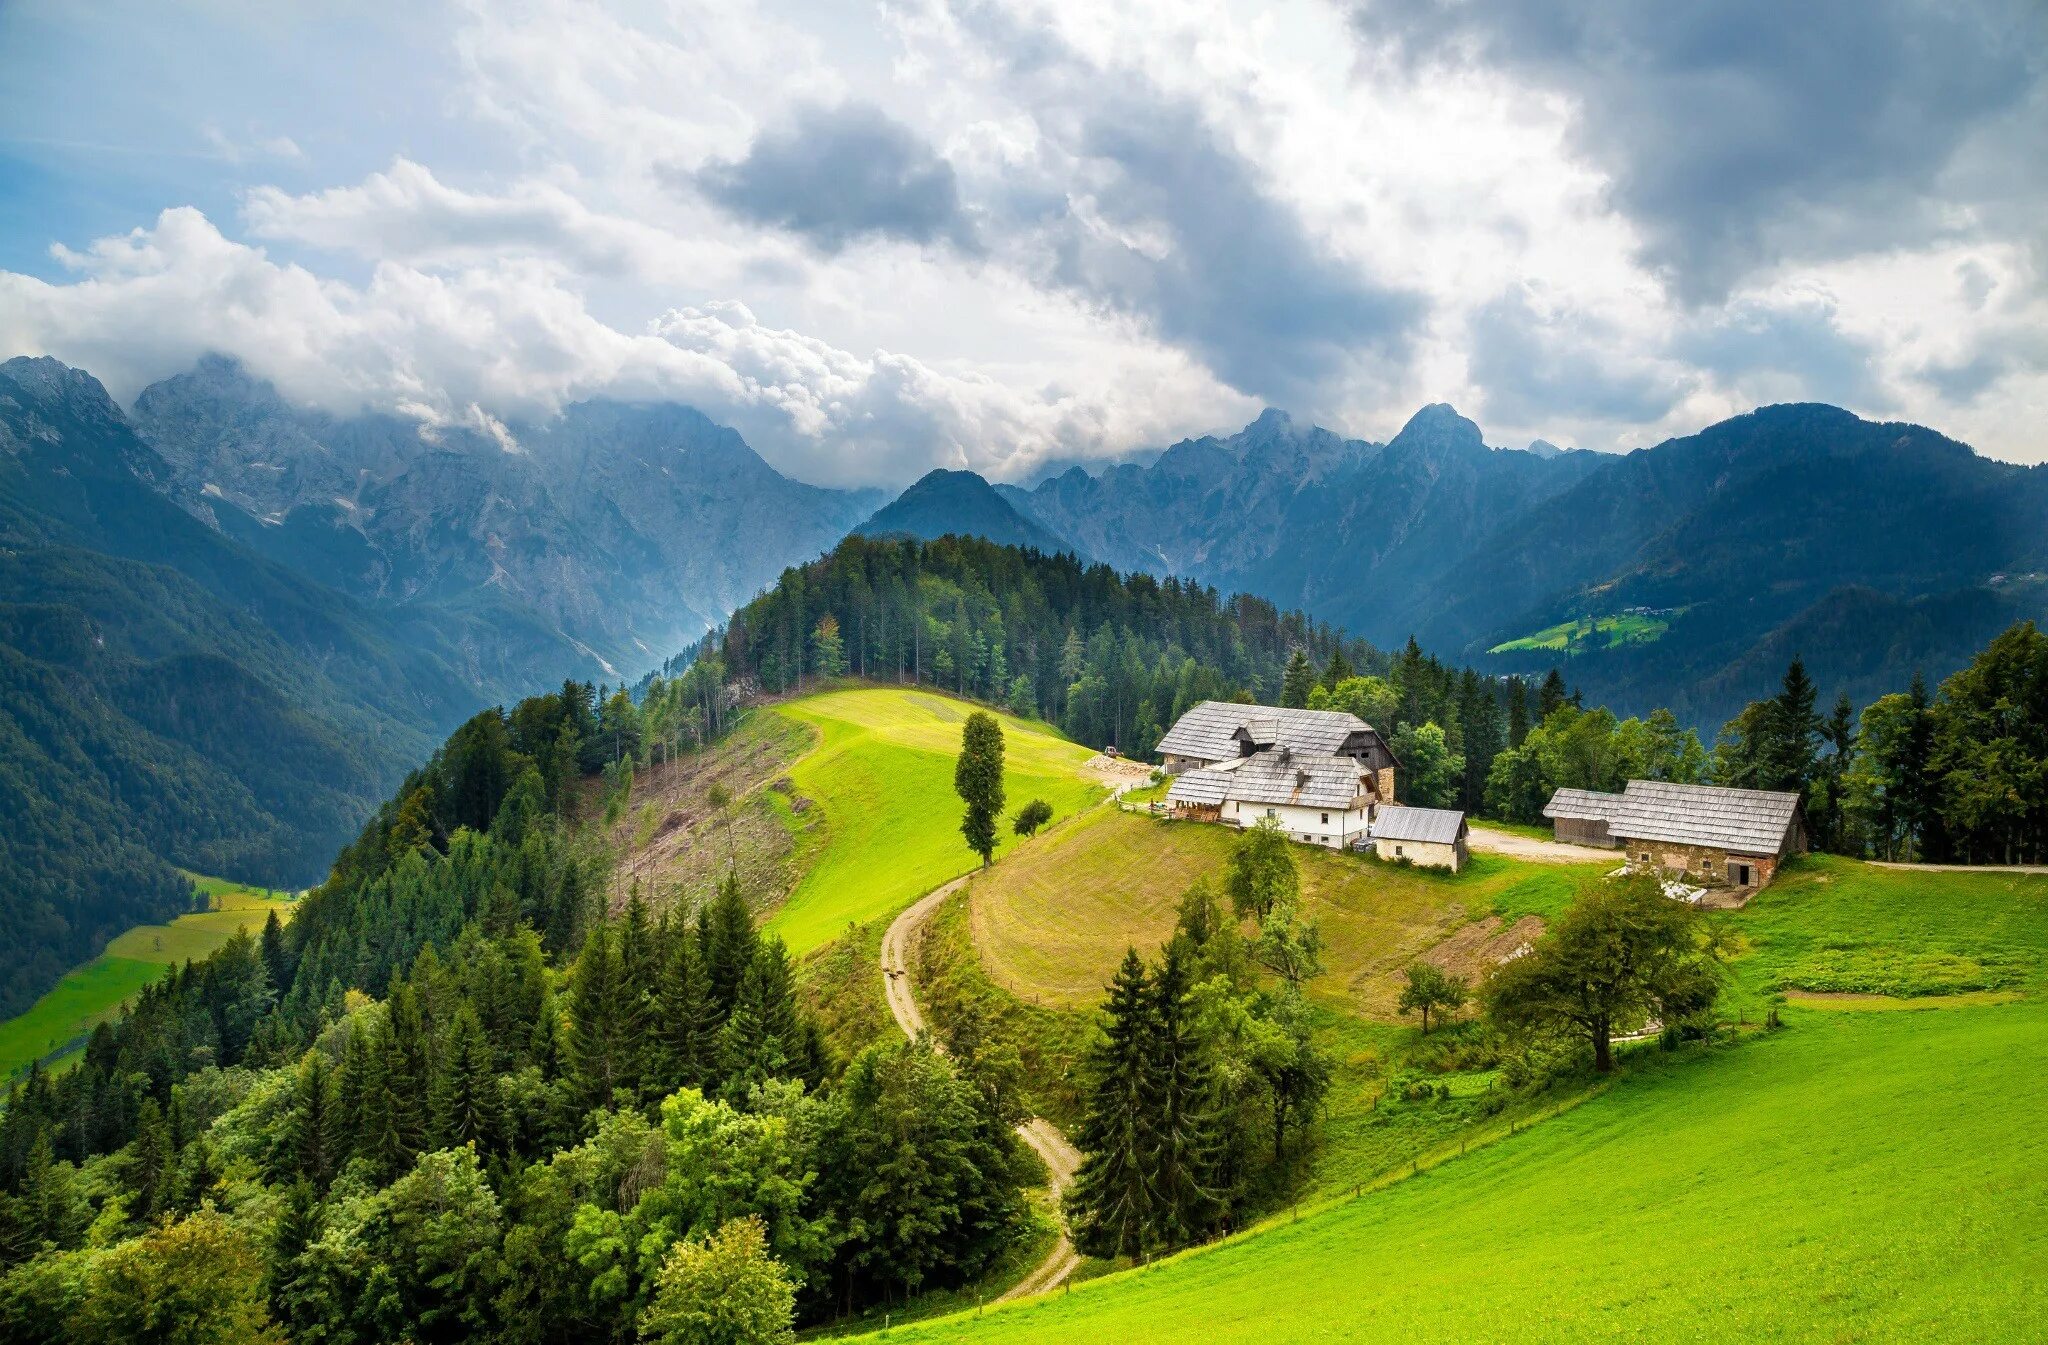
<point>1706,834</point>
<point>1215,732</point>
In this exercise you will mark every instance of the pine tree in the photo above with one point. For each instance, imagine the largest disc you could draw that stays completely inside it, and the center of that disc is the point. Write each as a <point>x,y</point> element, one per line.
<point>406,1079</point>
<point>296,1297</point>
<point>313,1128</point>
<point>1184,1140</point>
<point>1550,697</point>
<point>1338,669</point>
<point>276,961</point>
<point>1518,712</point>
<point>1111,1204</point>
<point>1297,681</point>
<point>978,779</point>
<point>150,1159</point>
<point>597,1031</point>
<point>749,1051</point>
<point>725,938</point>
<point>465,1101</point>
<point>686,1025</point>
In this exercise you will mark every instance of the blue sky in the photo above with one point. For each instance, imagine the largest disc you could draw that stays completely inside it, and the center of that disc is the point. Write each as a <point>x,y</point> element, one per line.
<point>882,238</point>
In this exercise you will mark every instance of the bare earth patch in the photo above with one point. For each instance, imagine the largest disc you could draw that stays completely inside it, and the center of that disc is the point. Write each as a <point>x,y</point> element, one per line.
<point>677,847</point>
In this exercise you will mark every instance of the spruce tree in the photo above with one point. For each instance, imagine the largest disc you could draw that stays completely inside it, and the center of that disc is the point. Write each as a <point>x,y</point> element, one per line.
<point>1111,1205</point>
<point>1518,711</point>
<point>1337,669</point>
<point>276,961</point>
<point>978,779</point>
<point>725,937</point>
<point>1550,697</point>
<point>1184,1140</point>
<point>465,1101</point>
<point>1297,681</point>
<point>313,1127</point>
<point>406,1079</point>
<point>597,1035</point>
<point>686,1025</point>
<point>150,1158</point>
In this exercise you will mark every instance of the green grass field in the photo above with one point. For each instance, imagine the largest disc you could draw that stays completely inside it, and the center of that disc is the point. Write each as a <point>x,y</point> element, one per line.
<point>883,774</point>
<point>1052,923</point>
<point>1607,632</point>
<point>95,992</point>
<point>1856,1177</point>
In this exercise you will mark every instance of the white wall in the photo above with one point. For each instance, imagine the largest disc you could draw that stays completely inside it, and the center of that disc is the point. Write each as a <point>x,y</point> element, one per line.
<point>1303,825</point>
<point>1426,854</point>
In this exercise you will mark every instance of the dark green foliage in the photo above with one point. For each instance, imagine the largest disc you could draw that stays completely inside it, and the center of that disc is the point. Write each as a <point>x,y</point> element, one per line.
<point>978,779</point>
<point>1031,817</point>
<point>1111,1204</point>
<point>1431,989</point>
<point>1621,953</point>
<point>1297,681</point>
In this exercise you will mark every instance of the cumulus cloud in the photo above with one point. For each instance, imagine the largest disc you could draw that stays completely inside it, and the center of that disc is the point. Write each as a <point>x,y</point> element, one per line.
<point>1738,134</point>
<point>1551,363</point>
<point>839,175</point>
<point>509,342</point>
<point>1788,348</point>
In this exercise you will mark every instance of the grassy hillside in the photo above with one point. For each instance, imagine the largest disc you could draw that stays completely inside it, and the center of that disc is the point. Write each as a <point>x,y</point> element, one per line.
<point>1786,1190</point>
<point>1606,632</point>
<point>95,992</point>
<point>883,775</point>
<point>1052,923</point>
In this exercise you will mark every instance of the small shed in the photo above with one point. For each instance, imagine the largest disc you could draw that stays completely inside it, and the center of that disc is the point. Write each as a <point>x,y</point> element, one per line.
<point>1579,816</point>
<point>1433,838</point>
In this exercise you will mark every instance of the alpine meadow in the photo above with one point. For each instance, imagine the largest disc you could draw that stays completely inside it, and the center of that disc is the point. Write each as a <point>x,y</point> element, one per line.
<point>717,674</point>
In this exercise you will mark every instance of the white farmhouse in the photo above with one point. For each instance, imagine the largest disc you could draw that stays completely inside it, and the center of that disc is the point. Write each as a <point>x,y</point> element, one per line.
<point>1317,774</point>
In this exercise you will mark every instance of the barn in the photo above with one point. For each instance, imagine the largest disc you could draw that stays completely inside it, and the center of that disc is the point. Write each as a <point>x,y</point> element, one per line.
<point>1707,834</point>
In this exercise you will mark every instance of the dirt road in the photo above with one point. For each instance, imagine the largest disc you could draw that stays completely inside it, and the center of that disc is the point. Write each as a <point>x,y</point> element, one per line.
<point>1061,1158</point>
<point>1543,852</point>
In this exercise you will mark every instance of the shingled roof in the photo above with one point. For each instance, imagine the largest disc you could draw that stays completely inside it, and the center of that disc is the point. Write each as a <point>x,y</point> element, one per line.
<point>1208,731</point>
<point>1746,821</point>
<point>1278,775</point>
<point>1584,805</point>
<point>1435,826</point>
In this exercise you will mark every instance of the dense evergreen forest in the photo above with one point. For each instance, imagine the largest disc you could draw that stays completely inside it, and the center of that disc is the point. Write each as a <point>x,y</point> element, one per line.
<point>456,1099</point>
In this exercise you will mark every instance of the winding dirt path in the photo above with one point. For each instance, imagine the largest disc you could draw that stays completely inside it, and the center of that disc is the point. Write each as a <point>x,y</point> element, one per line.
<point>1062,1159</point>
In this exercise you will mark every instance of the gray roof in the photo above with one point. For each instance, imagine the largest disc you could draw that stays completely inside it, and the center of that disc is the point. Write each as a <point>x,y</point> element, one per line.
<point>1305,779</point>
<point>1438,826</point>
<point>1205,788</point>
<point>1206,731</point>
<point>1588,805</point>
<point>1747,821</point>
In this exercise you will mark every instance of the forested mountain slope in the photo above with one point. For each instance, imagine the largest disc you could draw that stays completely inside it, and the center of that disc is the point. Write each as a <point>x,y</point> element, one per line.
<point>169,696</point>
<point>961,503</point>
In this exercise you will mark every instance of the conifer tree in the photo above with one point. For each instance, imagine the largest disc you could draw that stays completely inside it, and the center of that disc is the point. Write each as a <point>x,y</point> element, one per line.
<point>686,1026</point>
<point>276,961</point>
<point>1111,1204</point>
<point>150,1158</point>
<point>1184,1144</point>
<point>406,1078</point>
<point>1338,669</point>
<point>597,1033</point>
<point>1518,711</point>
<point>725,933</point>
<point>465,1100</point>
<point>1551,695</point>
<point>313,1128</point>
<point>1297,681</point>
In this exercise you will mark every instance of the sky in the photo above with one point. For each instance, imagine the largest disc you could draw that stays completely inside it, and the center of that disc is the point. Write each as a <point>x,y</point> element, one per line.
<point>882,238</point>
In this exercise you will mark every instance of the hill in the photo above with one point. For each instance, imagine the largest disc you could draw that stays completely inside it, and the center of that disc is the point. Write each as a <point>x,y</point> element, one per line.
<point>962,504</point>
<point>1794,1177</point>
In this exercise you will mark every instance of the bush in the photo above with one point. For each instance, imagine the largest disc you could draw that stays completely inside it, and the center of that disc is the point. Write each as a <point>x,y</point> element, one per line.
<point>1032,816</point>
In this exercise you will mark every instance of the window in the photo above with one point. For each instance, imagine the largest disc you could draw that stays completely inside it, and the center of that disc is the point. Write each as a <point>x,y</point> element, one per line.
<point>1397,849</point>
<point>1271,813</point>
<point>1326,819</point>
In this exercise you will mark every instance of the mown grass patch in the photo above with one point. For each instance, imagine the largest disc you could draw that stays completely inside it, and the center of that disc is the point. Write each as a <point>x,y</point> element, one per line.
<point>1607,632</point>
<point>1053,921</point>
<point>883,775</point>
<point>1866,1177</point>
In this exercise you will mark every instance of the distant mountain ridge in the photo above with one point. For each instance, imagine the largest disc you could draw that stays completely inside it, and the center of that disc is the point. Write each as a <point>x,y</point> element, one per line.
<point>609,536</point>
<point>963,504</point>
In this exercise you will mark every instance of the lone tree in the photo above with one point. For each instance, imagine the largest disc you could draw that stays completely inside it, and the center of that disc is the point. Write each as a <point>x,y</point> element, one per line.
<point>1431,988</point>
<point>978,778</point>
<point>1261,872</point>
<point>1031,817</point>
<point>1623,951</point>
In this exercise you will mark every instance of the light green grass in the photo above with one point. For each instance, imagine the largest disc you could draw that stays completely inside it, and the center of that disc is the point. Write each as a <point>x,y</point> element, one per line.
<point>1607,632</point>
<point>93,993</point>
<point>883,774</point>
<point>1857,1177</point>
<point>1833,924</point>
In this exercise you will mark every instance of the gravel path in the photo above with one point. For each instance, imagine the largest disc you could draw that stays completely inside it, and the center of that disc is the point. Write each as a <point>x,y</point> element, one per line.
<point>1543,852</point>
<point>1061,1157</point>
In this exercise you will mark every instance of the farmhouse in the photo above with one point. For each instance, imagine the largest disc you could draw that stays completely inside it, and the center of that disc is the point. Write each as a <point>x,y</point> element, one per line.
<point>1316,798</point>
<point>1218,731</point>
<point>1713,836</point>
<point>1433,838</point>
<point>1317,774</point>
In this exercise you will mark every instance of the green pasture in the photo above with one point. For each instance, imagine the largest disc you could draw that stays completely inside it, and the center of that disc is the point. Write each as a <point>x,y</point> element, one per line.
<point>882,773</point>
<point>1859,1177</point>
<point>1607,632</point>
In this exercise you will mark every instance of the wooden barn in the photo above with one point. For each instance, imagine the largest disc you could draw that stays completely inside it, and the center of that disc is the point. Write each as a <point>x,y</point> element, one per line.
<point>1705,834</point>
